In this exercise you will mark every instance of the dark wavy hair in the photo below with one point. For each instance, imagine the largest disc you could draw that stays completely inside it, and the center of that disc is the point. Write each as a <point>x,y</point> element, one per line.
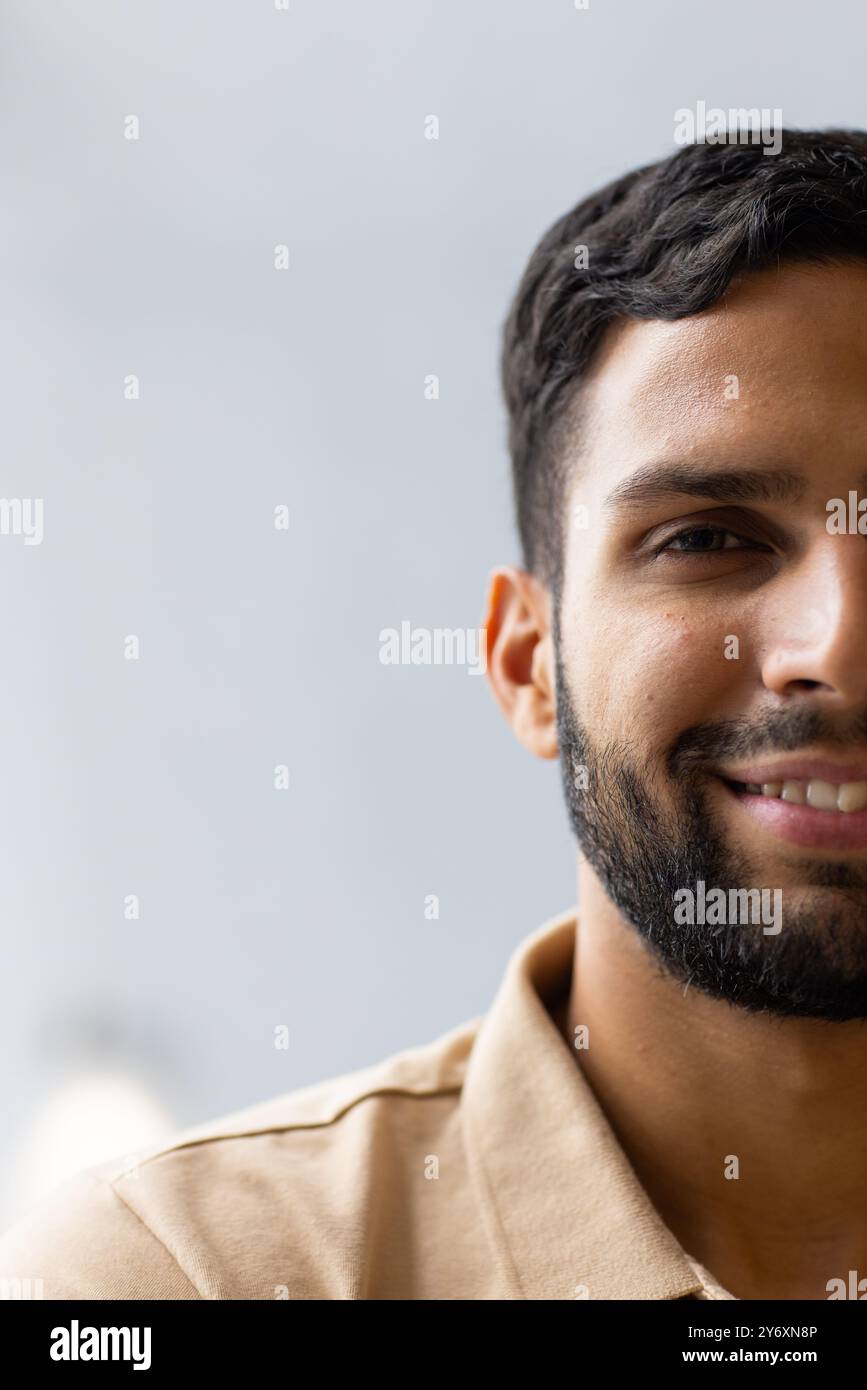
<point>663,242</point>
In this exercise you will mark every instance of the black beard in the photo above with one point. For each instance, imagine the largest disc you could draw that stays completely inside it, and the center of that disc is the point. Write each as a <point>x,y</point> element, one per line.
<point>815,967</point>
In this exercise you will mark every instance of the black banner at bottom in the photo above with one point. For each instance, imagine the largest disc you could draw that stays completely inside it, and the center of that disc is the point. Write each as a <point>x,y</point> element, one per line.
<point>159,1338</point>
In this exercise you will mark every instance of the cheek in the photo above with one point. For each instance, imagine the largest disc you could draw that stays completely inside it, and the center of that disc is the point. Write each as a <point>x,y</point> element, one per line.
<point>646,680</point>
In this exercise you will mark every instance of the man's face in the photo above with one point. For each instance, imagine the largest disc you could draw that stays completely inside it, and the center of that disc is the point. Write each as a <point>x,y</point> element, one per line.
<point>713,633</point>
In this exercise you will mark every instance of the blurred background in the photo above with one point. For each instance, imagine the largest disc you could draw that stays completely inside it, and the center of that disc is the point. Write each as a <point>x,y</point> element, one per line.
<point>237,250</point>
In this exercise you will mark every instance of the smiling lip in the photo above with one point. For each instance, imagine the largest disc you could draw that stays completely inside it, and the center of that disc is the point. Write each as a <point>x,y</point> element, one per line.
<point>797,769</point>
<point>804,826</point>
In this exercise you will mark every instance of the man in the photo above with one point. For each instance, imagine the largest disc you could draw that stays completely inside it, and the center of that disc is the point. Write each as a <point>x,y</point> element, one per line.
<point>667,1098</point>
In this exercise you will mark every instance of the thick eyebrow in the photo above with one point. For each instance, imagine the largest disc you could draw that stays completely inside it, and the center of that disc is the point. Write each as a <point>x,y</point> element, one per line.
<point>654,482</point>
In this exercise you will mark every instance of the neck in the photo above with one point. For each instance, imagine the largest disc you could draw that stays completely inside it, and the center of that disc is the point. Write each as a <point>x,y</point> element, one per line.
<point>696,1089</point>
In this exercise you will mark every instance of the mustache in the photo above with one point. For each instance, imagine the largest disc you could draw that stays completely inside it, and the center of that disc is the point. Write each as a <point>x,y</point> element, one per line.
<point>778,731</point>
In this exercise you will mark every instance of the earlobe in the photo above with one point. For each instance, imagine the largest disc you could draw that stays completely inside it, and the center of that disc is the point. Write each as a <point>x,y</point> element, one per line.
<point>520,657</point>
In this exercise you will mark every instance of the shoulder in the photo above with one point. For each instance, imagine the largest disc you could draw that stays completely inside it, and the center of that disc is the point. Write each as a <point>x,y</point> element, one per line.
<point>261,1203</point>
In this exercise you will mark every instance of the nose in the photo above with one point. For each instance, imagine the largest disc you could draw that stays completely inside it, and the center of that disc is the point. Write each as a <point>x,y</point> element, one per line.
<point>816,638</point>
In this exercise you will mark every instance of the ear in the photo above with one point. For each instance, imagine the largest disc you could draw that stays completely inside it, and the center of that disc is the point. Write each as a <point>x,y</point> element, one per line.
<point>520,651</point>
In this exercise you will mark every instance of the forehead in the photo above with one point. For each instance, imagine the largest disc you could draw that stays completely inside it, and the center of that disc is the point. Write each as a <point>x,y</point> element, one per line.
<point>779,363</point>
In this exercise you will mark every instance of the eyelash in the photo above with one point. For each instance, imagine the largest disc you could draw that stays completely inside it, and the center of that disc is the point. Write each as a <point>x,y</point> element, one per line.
<point>699,531</point>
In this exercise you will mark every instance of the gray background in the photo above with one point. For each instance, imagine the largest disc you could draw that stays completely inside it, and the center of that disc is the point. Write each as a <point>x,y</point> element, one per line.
<point>304,387</point>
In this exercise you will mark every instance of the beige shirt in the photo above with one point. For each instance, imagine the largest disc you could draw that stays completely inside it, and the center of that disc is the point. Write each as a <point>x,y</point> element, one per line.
<point>479,1166</point>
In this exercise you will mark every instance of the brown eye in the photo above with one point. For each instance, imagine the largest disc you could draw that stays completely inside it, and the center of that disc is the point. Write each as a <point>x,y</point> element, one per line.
<point>699,540</point>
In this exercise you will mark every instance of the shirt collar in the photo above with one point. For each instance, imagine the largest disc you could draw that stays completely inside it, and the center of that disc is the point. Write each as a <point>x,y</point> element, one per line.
<point>565,1209</point>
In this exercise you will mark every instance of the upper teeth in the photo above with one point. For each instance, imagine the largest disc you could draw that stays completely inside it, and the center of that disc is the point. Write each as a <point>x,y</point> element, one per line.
<point>824,796</point>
